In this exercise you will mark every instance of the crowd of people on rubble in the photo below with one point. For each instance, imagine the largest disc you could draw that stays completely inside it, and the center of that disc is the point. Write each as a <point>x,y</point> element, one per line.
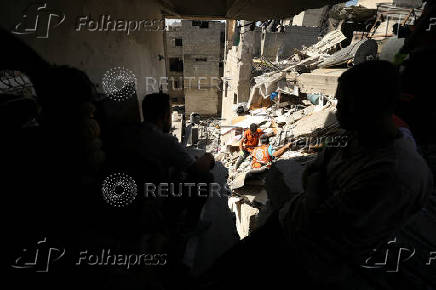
<point>56,149</point>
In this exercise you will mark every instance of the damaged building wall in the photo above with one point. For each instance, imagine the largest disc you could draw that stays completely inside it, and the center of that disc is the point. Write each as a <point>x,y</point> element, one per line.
<point>408,3</point>
<point>282,44</point>
<point>323,81</point>
<point>174,63</point>
<point>237,73</point>
<point>257,41</point>
<point>203,47</point>
<point>91,50</point>
<point>372,4</point>
<point>310,17</point>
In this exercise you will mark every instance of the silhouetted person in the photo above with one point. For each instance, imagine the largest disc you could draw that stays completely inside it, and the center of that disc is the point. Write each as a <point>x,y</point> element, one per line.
<point>158,145</point>
<point>418,104</point>
<point>161,158</point>
<point>357,197</point>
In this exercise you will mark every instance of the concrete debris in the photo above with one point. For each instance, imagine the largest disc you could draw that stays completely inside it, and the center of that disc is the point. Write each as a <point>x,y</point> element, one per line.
<point>326,45</point>
<point>204,134</point>
<point>316,120</point>
<point>177,125</point>
<point>288,120</point>
<point>240,108</point>
<point>363,50</point>
<point>244,215</point>
<point>290,96</point>
<point>323,81</point>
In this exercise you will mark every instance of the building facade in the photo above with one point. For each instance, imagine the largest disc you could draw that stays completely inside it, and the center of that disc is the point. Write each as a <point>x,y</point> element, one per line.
<point>194,54</point>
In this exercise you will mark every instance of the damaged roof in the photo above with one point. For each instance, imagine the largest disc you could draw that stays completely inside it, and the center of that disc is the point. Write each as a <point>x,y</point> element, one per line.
<point>239,9</point>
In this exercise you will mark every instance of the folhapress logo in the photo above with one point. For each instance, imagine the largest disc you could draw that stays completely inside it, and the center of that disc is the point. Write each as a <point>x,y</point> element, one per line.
<point>119,189</point>
<point>38,20</point>
<point>393,256</point>
<point>38,258</point>
<point>432,22</point>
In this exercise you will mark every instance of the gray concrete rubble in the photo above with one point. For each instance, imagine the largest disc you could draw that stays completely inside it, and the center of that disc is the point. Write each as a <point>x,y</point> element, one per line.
<point>287,87</point>
<point>290,119</point>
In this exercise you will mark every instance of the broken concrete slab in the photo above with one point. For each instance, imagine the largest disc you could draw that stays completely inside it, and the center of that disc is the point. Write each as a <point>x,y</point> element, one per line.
<point>320,119</point>
<point>358,52</point>
<point>322,81</point>
<point>326,44</point>
<point>245,215</point>
<point>177,125</point>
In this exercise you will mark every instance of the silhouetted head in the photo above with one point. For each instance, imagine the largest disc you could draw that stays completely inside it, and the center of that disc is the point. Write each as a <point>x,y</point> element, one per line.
<point>17,55</point>
<point>156,110</point>
<point>253,128</point>
<point>367,94</point>
<point>417,106</point>
<point>16,111</point>
<point>264,140</point>
<point>63,94</point>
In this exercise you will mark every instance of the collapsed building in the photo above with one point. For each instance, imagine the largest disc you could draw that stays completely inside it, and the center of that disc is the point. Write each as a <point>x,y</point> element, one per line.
<point>282,76</point>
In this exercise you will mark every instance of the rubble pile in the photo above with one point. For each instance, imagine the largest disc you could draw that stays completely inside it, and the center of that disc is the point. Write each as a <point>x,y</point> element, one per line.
<point>300,123</point>
<point>350,35</point>
<point>294,98</point>
<point>210,135</point>
<point>201,133</point>
<point>291,119</point>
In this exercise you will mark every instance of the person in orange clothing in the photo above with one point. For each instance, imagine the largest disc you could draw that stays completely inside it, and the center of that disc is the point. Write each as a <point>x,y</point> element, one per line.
<point>249,141</point>
<point>264,154</point>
